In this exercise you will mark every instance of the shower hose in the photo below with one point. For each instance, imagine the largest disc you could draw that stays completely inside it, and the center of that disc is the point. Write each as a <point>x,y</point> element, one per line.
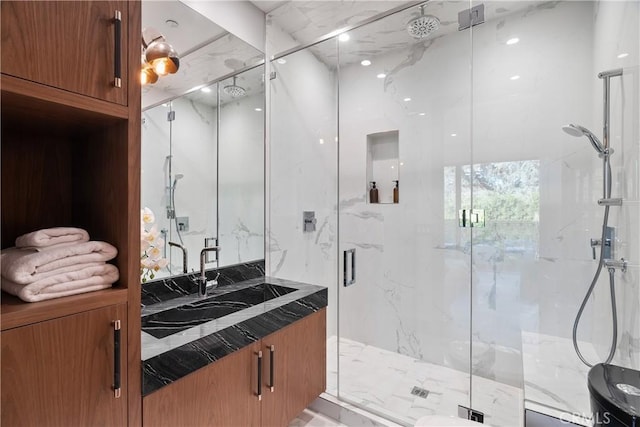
<point>596,276</point>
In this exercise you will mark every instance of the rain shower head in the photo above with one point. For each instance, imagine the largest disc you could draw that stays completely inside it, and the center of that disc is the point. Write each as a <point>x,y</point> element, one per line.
<point>422,26</point>
<point>234,90</point>
<point>577,130</point>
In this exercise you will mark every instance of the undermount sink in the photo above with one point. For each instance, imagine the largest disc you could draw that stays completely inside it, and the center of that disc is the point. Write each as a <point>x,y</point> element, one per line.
<point>178,319</point>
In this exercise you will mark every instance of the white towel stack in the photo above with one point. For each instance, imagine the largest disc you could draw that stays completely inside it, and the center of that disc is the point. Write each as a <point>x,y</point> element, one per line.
<point>56,262</point>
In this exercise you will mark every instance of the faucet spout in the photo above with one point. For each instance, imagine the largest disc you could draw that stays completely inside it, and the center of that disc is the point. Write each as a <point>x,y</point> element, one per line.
<point>184,255</point>
<point>202,282</point>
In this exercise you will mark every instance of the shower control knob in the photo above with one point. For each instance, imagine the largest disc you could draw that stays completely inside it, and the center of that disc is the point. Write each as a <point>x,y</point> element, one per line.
<point>594,243</point>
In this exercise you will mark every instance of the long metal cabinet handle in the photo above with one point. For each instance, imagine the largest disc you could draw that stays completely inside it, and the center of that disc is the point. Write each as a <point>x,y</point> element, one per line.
<point>117,72</point>
<point>346,280</point>
<point>116,359</point>
<point>260,375</point>
<point>272,353</point>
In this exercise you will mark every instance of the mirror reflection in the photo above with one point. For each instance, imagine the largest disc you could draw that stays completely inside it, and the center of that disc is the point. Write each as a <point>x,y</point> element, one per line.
<point>202,143</point>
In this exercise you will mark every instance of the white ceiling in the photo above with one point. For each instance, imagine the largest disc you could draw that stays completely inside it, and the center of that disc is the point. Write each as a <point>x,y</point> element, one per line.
<point>308,21</point>
<point>305,21</point>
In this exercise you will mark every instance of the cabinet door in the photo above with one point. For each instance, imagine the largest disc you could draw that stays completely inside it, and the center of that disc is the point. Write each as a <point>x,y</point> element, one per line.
<point>299,369</point>
<point>223,393</point>
<point>61,372</point>
<point>70,45</point>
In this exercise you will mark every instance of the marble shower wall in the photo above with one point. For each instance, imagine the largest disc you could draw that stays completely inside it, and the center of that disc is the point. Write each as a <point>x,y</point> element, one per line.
<point>416,277</point>
<point>194,138</point>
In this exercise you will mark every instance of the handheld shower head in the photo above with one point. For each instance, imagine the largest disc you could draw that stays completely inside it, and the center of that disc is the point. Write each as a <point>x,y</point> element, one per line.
<point>577,130</point>
<point>176,177</point>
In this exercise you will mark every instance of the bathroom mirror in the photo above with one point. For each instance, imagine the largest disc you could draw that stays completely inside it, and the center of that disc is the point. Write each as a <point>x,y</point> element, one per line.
<point>202,143</point>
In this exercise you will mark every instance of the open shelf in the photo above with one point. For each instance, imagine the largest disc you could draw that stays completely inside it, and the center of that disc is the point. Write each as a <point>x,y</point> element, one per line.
<point>15,312</point>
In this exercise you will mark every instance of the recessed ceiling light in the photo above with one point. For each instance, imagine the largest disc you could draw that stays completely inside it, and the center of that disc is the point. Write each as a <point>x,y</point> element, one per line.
<point>623,55</point>
<point>166,104</point>
<point>407,99</point>
<point>321,141</point>
<point>393,167</point>
<point>513,40</point>
<point>516,77</point>
<point>454,134</point>
<point>381,76</point>
<point>401,163</point>
<point>282,61</point>
<point>171,23</point>
<point>365,62</point>
<point>344,37</point>
<point>258,109</point>
<point>206,89</point>
<point>422,114</point>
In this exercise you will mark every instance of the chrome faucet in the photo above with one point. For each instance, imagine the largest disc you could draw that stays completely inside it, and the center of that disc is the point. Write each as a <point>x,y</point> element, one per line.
<point>184,255</point>
<point>202,281</point>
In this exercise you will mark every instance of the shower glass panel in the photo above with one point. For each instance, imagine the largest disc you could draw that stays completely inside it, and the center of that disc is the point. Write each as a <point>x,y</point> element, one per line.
<point>241,169</point>
<point>535,70</point>
<point>404,323</point>
<point>303,177</point>
<point>156,177</point>
<point>194,131</point>
<point>179,175</point>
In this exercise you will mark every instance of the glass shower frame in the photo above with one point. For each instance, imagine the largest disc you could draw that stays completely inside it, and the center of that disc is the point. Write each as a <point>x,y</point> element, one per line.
<point>509,246</point>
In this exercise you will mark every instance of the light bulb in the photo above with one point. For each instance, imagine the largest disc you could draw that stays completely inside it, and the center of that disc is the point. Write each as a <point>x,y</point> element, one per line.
<point>160,67</point>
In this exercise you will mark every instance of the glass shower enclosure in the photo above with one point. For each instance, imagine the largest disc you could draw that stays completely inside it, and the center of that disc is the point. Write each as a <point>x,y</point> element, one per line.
<point>455,279</point>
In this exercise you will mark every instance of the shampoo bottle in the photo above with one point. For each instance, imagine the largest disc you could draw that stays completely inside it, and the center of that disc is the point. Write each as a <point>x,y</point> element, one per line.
<point>373,193</point>
<point>396,191</point>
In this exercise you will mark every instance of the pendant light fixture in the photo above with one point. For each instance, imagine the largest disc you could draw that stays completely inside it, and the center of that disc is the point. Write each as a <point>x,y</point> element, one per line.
<point>159,58</point>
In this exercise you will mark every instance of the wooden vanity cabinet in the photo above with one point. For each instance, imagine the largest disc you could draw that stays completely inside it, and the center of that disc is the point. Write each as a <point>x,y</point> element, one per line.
<point>225,393</point>
<point>61,372</point>
<point>69,45</point>
<point>70,156</point>
<point>299,369</point>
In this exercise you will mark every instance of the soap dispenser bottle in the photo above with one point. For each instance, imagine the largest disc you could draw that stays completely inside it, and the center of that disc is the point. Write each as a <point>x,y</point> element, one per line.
<point>373,193</point>
<point>396,191</point>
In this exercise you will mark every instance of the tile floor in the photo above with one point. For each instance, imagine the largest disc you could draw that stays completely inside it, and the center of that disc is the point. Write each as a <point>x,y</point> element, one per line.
<point>382,382</point>
<point>393,386</point>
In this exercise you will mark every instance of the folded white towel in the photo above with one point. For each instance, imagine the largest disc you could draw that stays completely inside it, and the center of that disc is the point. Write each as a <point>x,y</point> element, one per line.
<point>24,266</point>
<point>52,236</point>
<point>88,279</point>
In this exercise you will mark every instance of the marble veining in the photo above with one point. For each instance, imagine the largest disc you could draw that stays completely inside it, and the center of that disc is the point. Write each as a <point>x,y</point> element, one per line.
<point>202,310</point>
<point>171,287</point>
<point>170,358</point>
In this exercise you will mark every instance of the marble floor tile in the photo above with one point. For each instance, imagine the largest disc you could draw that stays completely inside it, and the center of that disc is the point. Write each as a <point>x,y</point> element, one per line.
<point>309,418</point>
<point>382,382</point>
<point>554,377</point>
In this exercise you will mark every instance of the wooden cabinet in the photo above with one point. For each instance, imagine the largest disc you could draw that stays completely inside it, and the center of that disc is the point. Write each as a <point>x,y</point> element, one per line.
<point>225,393</point>
<point>67,45</point>
<point>61,372</point>
<point>70,156</point>
<point>298,355</point>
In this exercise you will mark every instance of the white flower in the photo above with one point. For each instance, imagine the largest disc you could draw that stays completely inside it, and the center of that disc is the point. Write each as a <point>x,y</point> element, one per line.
<point>151,259</point>
<point>147,216</point>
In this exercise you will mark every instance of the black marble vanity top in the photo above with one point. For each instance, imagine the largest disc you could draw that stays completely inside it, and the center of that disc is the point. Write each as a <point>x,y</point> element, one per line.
<point>185,333</point>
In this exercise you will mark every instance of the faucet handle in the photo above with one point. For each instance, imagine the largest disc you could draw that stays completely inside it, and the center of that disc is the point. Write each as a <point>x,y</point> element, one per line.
<point>594,243</point>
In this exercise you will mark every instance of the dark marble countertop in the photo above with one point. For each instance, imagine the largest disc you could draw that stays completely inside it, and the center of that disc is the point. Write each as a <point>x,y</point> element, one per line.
<point>190,337</point>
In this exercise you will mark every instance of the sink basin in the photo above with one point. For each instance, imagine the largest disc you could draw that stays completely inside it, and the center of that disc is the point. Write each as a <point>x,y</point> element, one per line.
<point>178,319</point>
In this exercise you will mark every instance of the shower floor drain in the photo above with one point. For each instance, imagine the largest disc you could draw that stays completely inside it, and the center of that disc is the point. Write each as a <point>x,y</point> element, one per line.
<point>420,392</point>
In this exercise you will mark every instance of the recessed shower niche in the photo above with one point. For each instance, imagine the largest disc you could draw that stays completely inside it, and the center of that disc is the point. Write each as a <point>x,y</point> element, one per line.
<point>383,167</point>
